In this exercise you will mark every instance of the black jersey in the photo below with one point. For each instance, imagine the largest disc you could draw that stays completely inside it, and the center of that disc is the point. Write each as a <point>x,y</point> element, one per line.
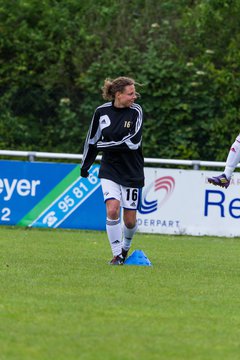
<point>117,132</point>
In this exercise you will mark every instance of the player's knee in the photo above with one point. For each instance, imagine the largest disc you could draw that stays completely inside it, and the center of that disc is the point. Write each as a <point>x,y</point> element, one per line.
<point>113,209</point>
<point>129,223</point>
<point>113,212</point>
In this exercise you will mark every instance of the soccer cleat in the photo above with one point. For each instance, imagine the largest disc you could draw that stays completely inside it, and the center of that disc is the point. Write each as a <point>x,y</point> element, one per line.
<point>124,254</point>
<point>220,180</point>
<point>117,260</point>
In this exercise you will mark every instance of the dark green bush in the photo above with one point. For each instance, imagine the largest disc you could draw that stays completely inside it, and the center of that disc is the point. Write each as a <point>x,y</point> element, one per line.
<point>55,55</point>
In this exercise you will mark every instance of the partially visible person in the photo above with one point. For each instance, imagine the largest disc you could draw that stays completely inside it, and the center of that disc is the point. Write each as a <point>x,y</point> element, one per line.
<point>116,130</point>
<point>232,161</point>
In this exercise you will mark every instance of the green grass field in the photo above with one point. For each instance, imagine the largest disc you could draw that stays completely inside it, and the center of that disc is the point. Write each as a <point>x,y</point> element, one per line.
<point>60,300</point>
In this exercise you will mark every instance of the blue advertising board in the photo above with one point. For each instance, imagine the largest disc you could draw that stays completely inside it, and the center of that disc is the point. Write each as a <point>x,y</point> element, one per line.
<point>52,195</point>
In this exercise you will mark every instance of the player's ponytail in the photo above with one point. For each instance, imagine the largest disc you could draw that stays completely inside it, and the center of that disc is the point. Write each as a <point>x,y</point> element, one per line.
<point>107,92</point>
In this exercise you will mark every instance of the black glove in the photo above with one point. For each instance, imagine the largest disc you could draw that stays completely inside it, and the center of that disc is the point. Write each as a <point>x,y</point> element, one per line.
<point>84,173</point>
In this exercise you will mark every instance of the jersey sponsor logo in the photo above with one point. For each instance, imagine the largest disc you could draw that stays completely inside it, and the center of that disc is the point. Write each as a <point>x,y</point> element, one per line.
<point>156,194</point>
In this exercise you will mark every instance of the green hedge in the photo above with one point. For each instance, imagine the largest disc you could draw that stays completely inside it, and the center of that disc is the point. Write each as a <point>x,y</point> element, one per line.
<point>55,56</point>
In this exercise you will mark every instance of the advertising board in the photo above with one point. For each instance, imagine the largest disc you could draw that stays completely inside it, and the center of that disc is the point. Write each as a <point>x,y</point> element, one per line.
<point>53,195</point>
<point>183,202</point>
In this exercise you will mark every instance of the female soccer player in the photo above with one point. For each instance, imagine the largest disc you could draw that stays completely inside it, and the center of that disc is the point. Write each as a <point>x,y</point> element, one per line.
<point>233,159</point>
<point>116,130</point>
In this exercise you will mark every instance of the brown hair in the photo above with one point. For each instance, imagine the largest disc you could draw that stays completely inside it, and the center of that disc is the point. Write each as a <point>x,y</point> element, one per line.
<point>110,86</point>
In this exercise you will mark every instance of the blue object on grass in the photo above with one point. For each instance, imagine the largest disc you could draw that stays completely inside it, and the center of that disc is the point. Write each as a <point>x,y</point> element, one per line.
<point>138,258</point>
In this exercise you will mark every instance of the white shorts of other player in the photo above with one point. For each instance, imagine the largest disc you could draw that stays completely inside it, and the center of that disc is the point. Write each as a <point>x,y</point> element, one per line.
<point>128,197</point>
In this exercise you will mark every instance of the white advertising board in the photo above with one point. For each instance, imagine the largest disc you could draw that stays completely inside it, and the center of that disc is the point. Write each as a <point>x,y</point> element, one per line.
<point>183,202</point>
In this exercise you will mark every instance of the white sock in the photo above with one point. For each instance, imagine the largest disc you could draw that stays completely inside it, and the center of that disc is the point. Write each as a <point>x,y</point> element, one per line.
<point>233,158</point>
<point>128,235</point>
<point>114,231</point>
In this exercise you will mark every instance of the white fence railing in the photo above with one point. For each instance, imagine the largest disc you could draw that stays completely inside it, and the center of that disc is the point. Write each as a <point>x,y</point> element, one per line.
<point>33,155</point>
